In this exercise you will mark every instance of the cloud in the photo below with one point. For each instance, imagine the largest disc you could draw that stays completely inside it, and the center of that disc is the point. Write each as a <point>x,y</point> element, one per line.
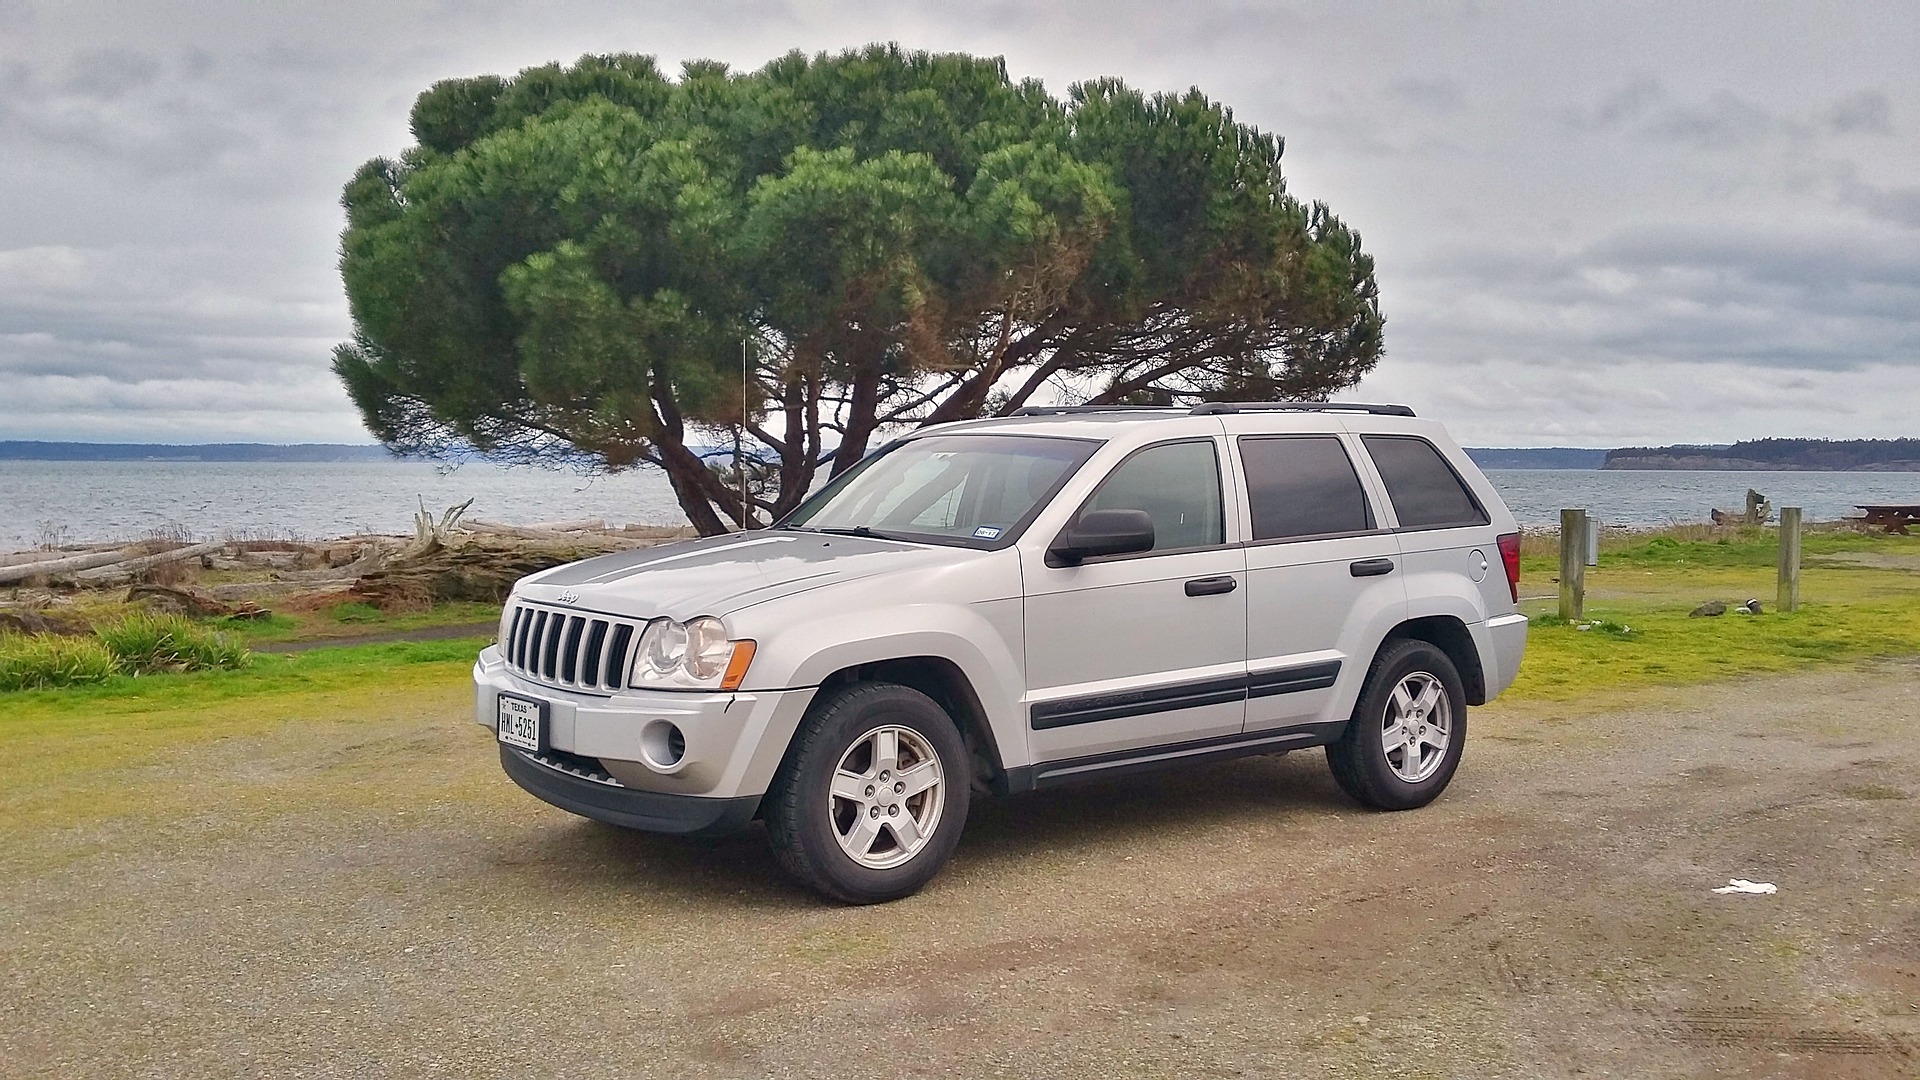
<point>1585,222</point>
<point>1725,120</point>
<point>1899,205</point>
<point>1867,112</point>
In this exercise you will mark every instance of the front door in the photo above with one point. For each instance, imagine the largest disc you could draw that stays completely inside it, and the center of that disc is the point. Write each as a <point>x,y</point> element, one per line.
<point>1145,649</point>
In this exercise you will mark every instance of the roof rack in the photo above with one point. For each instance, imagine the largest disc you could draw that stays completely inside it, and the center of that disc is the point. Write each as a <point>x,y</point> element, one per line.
<point>1216,408</point>
<point>1212,408</point>
<point>1069,410</point>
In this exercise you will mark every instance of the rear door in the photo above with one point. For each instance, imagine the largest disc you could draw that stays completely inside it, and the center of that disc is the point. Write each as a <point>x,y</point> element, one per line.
<point>1443,529</point>
<point>1142,650</point>
<point>1323,577</point>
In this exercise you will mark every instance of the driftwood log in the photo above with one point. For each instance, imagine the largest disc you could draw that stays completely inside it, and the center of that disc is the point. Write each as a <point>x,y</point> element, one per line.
<point>64,564</point>
<point>480,569</point>
<point>18,558</point>
<point>122,572</point>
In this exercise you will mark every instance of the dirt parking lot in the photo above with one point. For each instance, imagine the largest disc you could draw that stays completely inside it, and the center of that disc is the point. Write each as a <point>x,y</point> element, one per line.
<point>370,897</point>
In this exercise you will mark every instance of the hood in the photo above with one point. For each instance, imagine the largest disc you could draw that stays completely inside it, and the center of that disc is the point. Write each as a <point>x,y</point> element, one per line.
<point>718,575</point>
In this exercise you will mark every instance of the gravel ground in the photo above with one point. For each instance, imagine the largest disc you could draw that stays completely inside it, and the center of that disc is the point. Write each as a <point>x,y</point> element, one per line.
<point>374,899</point>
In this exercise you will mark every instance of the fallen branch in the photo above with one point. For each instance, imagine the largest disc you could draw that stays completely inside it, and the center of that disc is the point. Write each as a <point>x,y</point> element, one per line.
<point>518,532</point>
<point>581,525</point>
<point>67,564</point>
<point>133,566</point>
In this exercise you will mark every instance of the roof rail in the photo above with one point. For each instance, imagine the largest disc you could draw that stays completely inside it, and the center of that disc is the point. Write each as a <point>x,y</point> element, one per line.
<point>1214,408</point>
<point>1068,410</point>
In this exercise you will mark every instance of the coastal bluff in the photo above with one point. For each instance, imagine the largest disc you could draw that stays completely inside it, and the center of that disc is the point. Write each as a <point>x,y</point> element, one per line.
<point>1776,455</point>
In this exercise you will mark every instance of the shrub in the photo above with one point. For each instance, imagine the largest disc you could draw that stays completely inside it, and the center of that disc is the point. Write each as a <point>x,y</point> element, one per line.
<point>146,644</point>
<point>41,661</point>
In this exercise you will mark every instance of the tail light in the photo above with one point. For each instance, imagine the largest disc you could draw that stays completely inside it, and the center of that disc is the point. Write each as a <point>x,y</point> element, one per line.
<point>1510,557</point>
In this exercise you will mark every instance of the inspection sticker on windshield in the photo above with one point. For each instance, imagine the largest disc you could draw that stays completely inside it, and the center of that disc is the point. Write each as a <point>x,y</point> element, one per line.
<point>987,532</point>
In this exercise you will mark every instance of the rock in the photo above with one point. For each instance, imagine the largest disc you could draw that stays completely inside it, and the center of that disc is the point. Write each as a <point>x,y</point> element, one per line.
<point>1709,609</point>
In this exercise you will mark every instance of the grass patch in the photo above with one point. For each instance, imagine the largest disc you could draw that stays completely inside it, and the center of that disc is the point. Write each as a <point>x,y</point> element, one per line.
<point>352,617</point>
<point>1666,647</point>
<point>40,661</point>
<point>1874,792</point>
<point>133,646</point>
<point>354,611</point>
<point>153,644</point>
<point>87,753</point>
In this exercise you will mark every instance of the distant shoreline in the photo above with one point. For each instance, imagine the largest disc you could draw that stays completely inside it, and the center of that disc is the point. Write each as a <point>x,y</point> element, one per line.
<point>208,452</point>
<point>1707,464</point>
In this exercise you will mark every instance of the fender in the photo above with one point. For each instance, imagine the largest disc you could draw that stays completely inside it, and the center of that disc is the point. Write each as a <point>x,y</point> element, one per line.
<point>983,640</point>
<point>1439,593</point>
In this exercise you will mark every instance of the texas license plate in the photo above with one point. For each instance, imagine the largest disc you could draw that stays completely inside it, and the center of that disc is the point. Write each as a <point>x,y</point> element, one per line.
<point>523,723</point>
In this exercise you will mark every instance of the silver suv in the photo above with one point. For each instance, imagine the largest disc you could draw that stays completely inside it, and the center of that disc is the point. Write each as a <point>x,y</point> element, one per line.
<point>994,606</point>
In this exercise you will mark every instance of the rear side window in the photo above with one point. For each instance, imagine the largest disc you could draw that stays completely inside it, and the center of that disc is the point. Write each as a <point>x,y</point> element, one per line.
<point>1302,486</point>
<point>1178,485</point>
<point>1426,492</point>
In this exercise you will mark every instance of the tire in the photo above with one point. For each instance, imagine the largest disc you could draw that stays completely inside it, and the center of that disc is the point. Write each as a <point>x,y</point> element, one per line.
<point>871,800</point>
<point>1409,680</point>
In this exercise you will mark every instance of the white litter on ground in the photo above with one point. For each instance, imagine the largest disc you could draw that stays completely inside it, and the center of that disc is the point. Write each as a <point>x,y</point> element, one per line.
<point>1742,885</point>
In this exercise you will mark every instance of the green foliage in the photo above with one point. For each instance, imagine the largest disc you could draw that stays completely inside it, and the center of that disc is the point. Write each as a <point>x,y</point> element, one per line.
<point>43,661</point>
<point>356,612</point>
<point>568,261</point>
<point>150,644</point>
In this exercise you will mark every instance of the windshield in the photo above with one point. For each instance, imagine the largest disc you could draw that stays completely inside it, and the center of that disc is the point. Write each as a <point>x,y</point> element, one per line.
<point>978,490</point>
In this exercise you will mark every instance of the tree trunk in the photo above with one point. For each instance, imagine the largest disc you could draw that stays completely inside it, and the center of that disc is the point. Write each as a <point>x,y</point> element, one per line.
<point>691,479</point>
<point>862,403</point>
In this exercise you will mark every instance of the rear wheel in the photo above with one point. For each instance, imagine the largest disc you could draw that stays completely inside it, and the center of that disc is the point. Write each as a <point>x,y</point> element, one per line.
<point>870,804</point>
<point>1403,743</point>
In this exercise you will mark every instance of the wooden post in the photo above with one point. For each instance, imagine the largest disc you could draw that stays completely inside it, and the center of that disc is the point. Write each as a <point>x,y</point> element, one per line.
<point>1789,597</point>
<point>1573,564</point>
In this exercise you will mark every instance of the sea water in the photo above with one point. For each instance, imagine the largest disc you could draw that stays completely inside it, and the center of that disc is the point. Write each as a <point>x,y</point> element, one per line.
<point>74,501</point>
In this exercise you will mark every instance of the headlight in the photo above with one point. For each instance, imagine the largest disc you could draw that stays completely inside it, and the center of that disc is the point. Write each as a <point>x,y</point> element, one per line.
<point>695,655</point>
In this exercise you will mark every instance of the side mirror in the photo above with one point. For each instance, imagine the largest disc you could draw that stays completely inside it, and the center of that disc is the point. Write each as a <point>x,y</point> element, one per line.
<point>1103,532</point>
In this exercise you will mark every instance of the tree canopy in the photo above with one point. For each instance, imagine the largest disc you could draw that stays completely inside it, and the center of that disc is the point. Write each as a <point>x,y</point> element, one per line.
<point>579,260</point>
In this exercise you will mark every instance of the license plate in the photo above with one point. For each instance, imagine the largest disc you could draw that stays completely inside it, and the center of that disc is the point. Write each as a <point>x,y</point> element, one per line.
<point>523,723</point>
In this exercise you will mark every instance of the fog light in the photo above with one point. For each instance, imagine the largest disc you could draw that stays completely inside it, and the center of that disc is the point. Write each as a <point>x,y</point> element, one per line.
<point>663,745</point>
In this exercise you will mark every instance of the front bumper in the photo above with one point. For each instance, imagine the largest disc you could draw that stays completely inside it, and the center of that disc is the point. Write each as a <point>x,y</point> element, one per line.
<point>609,801</point>
<point>733,741</point>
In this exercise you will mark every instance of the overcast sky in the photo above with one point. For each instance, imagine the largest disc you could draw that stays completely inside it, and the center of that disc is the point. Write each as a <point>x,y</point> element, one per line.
<point>1595,225</point>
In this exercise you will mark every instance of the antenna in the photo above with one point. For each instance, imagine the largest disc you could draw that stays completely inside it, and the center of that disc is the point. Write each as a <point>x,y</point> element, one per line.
<point>739,470</point>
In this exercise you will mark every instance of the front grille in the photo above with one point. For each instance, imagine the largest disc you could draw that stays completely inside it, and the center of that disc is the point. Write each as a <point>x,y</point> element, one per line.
<point>580,652</point>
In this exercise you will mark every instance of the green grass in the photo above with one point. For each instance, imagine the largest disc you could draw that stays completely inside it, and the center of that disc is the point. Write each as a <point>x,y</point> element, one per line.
<point>153,644</point>
<point>356,612</point>
<point>1640,634</point>
<point>353,617</point>
<point>75,754</point>
<point>132,646</point>
<point>38,661</point>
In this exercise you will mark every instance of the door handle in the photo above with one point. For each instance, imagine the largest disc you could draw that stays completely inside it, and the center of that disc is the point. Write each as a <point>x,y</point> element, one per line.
<point>1211,586</point>
<point>1371,567</point>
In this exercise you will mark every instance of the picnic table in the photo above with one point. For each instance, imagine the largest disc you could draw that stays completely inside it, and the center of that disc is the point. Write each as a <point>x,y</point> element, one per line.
<point>1891,517</point>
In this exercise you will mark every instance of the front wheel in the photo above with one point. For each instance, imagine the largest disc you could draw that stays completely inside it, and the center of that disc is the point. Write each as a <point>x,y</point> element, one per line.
<point>869,805</point>
<point>1403,743</point>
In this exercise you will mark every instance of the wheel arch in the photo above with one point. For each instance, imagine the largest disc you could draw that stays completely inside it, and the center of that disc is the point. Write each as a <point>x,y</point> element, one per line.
<point>1451,636</point>
<point>947,684</point>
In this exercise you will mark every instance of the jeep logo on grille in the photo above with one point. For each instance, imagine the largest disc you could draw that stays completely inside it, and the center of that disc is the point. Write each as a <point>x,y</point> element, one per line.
<point>568,597</point>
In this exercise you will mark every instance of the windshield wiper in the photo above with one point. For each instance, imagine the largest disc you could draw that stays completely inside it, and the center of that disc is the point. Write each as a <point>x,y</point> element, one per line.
<point>858,530</point>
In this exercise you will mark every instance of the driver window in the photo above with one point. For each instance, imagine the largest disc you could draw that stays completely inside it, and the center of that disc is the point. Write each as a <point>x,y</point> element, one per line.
<point>1178,485</point>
